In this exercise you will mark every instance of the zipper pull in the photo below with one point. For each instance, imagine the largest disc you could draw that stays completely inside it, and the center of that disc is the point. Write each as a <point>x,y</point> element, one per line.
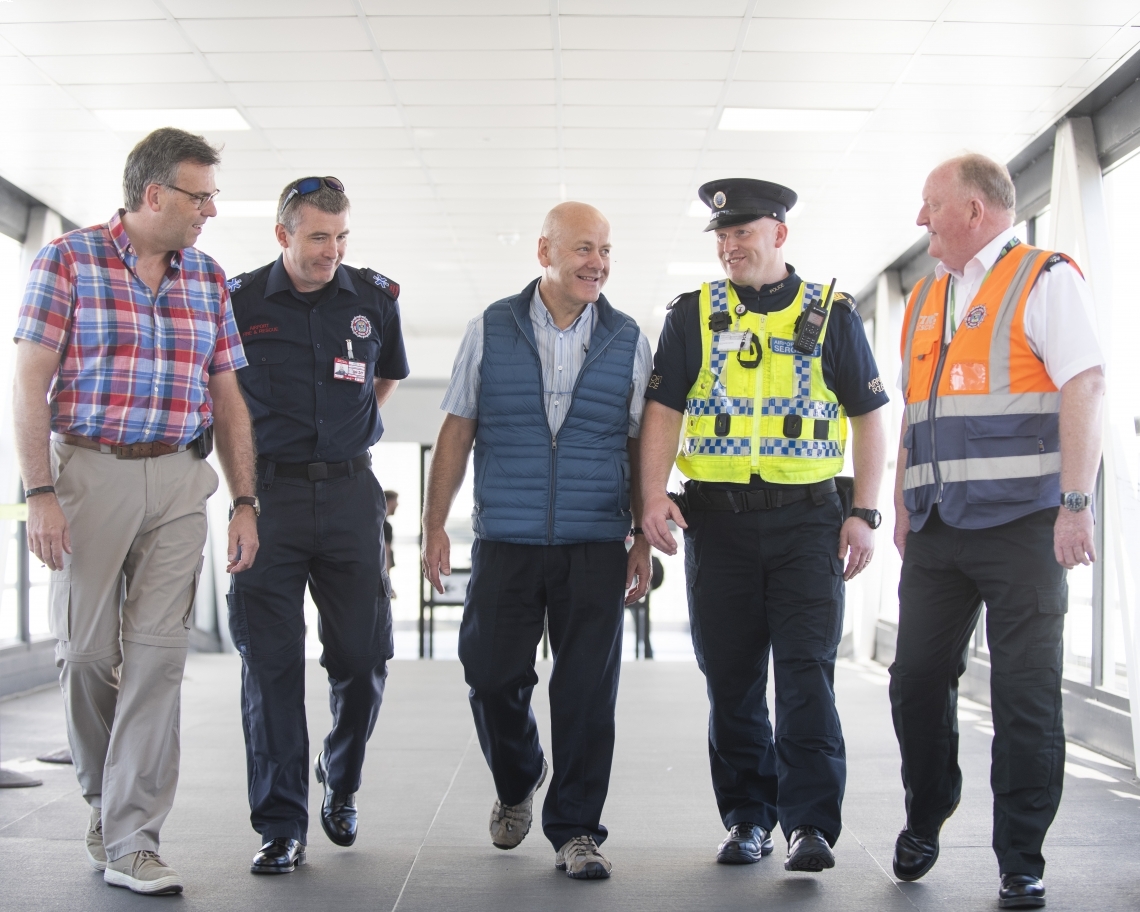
<point>554,443</point>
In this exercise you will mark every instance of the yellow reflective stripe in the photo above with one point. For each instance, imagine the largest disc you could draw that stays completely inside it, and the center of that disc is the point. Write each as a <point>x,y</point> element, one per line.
<point>983,405</point>
<point>988,468</point>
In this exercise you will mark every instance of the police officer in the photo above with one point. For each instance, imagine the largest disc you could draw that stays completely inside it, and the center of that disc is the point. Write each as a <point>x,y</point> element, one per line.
<point>765,432</point>
<point>325,351</point>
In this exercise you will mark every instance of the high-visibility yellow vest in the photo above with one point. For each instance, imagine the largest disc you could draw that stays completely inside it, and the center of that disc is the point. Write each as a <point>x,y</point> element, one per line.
<point>777,420</point>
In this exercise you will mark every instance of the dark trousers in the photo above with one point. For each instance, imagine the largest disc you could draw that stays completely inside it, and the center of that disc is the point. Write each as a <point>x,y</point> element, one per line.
<point>579,589</point>
<point>947,574</point>
<point>771,579</point>
<point>327,534</point>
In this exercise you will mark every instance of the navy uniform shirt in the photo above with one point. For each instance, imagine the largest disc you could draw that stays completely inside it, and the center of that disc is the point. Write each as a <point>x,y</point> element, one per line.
<point>849,368</point>
<point>300,413</point>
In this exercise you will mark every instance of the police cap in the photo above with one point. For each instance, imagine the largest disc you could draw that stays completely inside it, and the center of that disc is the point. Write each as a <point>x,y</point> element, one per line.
<point>736,200</point>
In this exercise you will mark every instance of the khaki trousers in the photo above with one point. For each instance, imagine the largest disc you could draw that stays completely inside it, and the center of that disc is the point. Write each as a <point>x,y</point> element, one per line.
<point>120,608</point>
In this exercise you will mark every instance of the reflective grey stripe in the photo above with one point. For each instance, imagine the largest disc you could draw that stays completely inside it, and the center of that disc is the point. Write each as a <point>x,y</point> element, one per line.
<point>967,406</point>
<point>992,468</point>
<point>1002,336</point>
<point>920,301</point>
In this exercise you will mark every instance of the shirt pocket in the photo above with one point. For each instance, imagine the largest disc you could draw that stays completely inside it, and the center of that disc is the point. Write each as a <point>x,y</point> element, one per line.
<point>265,364</point>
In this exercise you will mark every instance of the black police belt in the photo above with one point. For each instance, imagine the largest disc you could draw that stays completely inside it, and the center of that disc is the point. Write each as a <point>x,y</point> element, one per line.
<point>701,496</point>
<point>310,471</point>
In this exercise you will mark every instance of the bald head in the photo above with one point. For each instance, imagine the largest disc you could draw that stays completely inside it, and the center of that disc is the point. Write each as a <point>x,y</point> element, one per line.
<point>574,251</point>
<point>966,203</point>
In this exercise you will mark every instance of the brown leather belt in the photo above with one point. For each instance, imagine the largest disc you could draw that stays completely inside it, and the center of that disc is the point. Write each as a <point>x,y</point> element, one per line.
<point>127,451</point>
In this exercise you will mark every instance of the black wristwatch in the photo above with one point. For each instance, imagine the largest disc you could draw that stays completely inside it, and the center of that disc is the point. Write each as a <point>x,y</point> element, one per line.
<point>872,518</point>
<point>1076,501</point>
<point>247,502</point>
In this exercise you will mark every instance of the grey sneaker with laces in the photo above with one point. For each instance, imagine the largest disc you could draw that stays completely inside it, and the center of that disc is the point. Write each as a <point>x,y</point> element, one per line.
<point>96,854</point>
<point>511,822</point>
<point>143,872</point>
<point>581,859</point>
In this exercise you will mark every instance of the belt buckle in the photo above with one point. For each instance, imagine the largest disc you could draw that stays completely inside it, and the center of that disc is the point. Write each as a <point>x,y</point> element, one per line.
<point>317,471</point>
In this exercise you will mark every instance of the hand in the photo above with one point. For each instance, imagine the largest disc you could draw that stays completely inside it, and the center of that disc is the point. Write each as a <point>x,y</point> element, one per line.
<point>902,529</point>
<point>637,568</point>
<point>48,534</point>
<point>656,513</point>
<point>435,558</point>
<point>1072,538</point>
<point>242,546</point>
<point>857,544</point>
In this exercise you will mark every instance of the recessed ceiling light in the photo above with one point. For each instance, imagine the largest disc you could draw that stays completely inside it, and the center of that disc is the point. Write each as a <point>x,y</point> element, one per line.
<point>146,119</point>
<point>783,120</point>
<point>695,269</point>
<point>246,208</point>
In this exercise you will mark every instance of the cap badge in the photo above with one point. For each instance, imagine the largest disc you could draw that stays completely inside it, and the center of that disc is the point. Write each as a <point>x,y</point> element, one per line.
<point>719,199</point>
<point>360,326</point>
<point>975,316</point>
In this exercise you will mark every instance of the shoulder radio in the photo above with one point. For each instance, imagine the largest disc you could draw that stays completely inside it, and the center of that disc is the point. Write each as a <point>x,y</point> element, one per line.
<point>810,323</point>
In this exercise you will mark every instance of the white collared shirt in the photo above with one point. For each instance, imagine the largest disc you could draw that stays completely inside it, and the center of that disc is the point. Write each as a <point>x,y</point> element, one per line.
<point>1060,317</point>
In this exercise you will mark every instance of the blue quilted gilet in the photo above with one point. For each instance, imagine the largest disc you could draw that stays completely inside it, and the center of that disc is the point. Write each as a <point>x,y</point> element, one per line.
<point>532,488</point>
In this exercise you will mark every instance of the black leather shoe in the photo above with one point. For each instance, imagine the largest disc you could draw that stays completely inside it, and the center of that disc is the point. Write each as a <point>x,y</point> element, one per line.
<point>808,851</point>
<point>278,856</point>
<point>1021,891</point>
<point>338,811</point>
<point>914,855</point>
<point>746,843</point>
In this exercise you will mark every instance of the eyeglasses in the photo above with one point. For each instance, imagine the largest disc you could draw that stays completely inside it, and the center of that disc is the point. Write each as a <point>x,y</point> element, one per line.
<point>312,185</point>
<point>201,200</point>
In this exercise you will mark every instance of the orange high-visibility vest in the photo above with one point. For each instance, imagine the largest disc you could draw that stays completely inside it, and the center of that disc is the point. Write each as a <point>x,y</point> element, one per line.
<point>982,435</point>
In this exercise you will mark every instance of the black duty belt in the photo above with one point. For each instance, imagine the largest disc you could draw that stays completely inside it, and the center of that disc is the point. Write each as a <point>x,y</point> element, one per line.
<point>311,471</point>
<point>701,496</point>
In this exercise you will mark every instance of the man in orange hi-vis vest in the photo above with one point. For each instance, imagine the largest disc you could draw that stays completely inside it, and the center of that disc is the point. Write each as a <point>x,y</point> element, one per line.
<point>1003,380</point>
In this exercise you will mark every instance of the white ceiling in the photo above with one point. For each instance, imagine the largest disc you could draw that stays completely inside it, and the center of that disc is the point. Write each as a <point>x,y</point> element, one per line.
<point>456,128</point>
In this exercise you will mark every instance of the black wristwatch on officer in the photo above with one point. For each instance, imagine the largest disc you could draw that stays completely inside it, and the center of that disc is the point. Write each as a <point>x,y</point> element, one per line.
<point>872,518</point>
<point>245,502</point>
<point>1075,501</point>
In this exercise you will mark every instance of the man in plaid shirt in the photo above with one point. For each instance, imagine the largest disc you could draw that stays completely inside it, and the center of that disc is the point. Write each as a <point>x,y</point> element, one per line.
<point>125,367</point>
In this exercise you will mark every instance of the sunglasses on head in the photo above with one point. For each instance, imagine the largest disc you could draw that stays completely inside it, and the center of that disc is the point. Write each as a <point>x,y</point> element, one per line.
<point>312,185</point>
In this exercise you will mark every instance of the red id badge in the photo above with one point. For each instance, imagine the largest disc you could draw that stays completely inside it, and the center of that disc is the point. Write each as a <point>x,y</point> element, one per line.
<point>343,369</point>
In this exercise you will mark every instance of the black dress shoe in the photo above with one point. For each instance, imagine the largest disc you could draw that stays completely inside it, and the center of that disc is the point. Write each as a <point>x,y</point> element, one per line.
<point>338,810</point>
<point>914,855</point>
<point>278,856</point>
<point>746,843</point>
<point>808,851</point>
<point>1021,891</point>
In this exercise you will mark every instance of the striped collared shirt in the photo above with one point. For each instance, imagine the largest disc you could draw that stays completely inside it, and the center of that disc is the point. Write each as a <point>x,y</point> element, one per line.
<point>561,352</point>
<point>134,365</point>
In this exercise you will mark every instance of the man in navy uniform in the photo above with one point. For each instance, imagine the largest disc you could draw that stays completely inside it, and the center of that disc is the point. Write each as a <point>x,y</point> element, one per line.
<point>325,351</point>
<point>761,379</point>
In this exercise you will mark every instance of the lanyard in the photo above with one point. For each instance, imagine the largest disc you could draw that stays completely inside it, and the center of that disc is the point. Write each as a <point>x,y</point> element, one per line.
<point>1013,242</point>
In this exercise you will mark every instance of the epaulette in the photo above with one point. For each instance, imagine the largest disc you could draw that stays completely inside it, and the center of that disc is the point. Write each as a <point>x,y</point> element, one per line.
<point>1061,258</point>
<point>385,284</point>
<point>677,300</point>
<point>236,282</point>
<point>842,297</point>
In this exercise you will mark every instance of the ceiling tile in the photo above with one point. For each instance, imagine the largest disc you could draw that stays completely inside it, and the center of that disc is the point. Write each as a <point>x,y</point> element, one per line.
<point>581,138</point>
<point>648,33</point>
<point>519,116</point>
<point>1057,12</point>
<point>31,97</point>
<point>835,35</point>
<point>859,96</point>
<point>980,97</point>
<point>470,64</point>
<point>993,71</point>
<point>268,35</point>
<point>641,92</point>
<point>135,68</point>
<point>258,9</point>
<point>300,94</point>
<point>79,11</point>
<point>339,138</point>
<point>130,37</point>
<point>476,91</point>
<point>643,65</point>
<point>631,158</point>
<point>635,117</point>
<point>410,33</point>
<point>17,71</point>
<point>443,177</point>
<point>457,7</point>
<point>775,66</point>
<point>314,66</point>
<point>490,158</point>
<point>1017,40</point>
<point>485,138</point>
<point>153,95</point>
<point>708,8</point>
<point>322,117</point>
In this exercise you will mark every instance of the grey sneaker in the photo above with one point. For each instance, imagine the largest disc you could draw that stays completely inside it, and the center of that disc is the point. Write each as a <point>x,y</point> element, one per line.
<point>96,854</point>
<point>143,872</point>
<point>511,822</point>
<point>580,859</point>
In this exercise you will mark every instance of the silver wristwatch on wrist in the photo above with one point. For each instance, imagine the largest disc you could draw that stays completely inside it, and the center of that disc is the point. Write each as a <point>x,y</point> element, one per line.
<point>1075,501</point>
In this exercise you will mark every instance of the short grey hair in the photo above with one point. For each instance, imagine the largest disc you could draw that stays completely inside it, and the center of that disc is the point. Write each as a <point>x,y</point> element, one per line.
<point>988,178</point>
<point>323,198</point>
<point>156,158</point>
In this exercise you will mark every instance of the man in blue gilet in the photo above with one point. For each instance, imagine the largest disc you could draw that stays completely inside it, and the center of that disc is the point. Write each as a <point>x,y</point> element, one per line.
<point>548,385</point>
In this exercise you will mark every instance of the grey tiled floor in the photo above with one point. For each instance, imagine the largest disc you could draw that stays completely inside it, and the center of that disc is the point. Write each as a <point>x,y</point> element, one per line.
<point>427,794</point>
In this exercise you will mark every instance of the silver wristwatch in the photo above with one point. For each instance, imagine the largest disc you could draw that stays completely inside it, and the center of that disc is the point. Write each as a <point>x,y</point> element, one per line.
<point>1075,501</point>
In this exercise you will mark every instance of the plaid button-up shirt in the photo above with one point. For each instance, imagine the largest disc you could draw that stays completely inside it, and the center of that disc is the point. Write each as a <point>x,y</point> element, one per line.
<point>134,365</point>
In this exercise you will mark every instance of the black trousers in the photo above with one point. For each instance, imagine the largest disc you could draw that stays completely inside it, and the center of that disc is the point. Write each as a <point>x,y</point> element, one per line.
<point>580,590</point>
<point>328,535</point>
<point>760,581</point>
<point>947,573</point>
